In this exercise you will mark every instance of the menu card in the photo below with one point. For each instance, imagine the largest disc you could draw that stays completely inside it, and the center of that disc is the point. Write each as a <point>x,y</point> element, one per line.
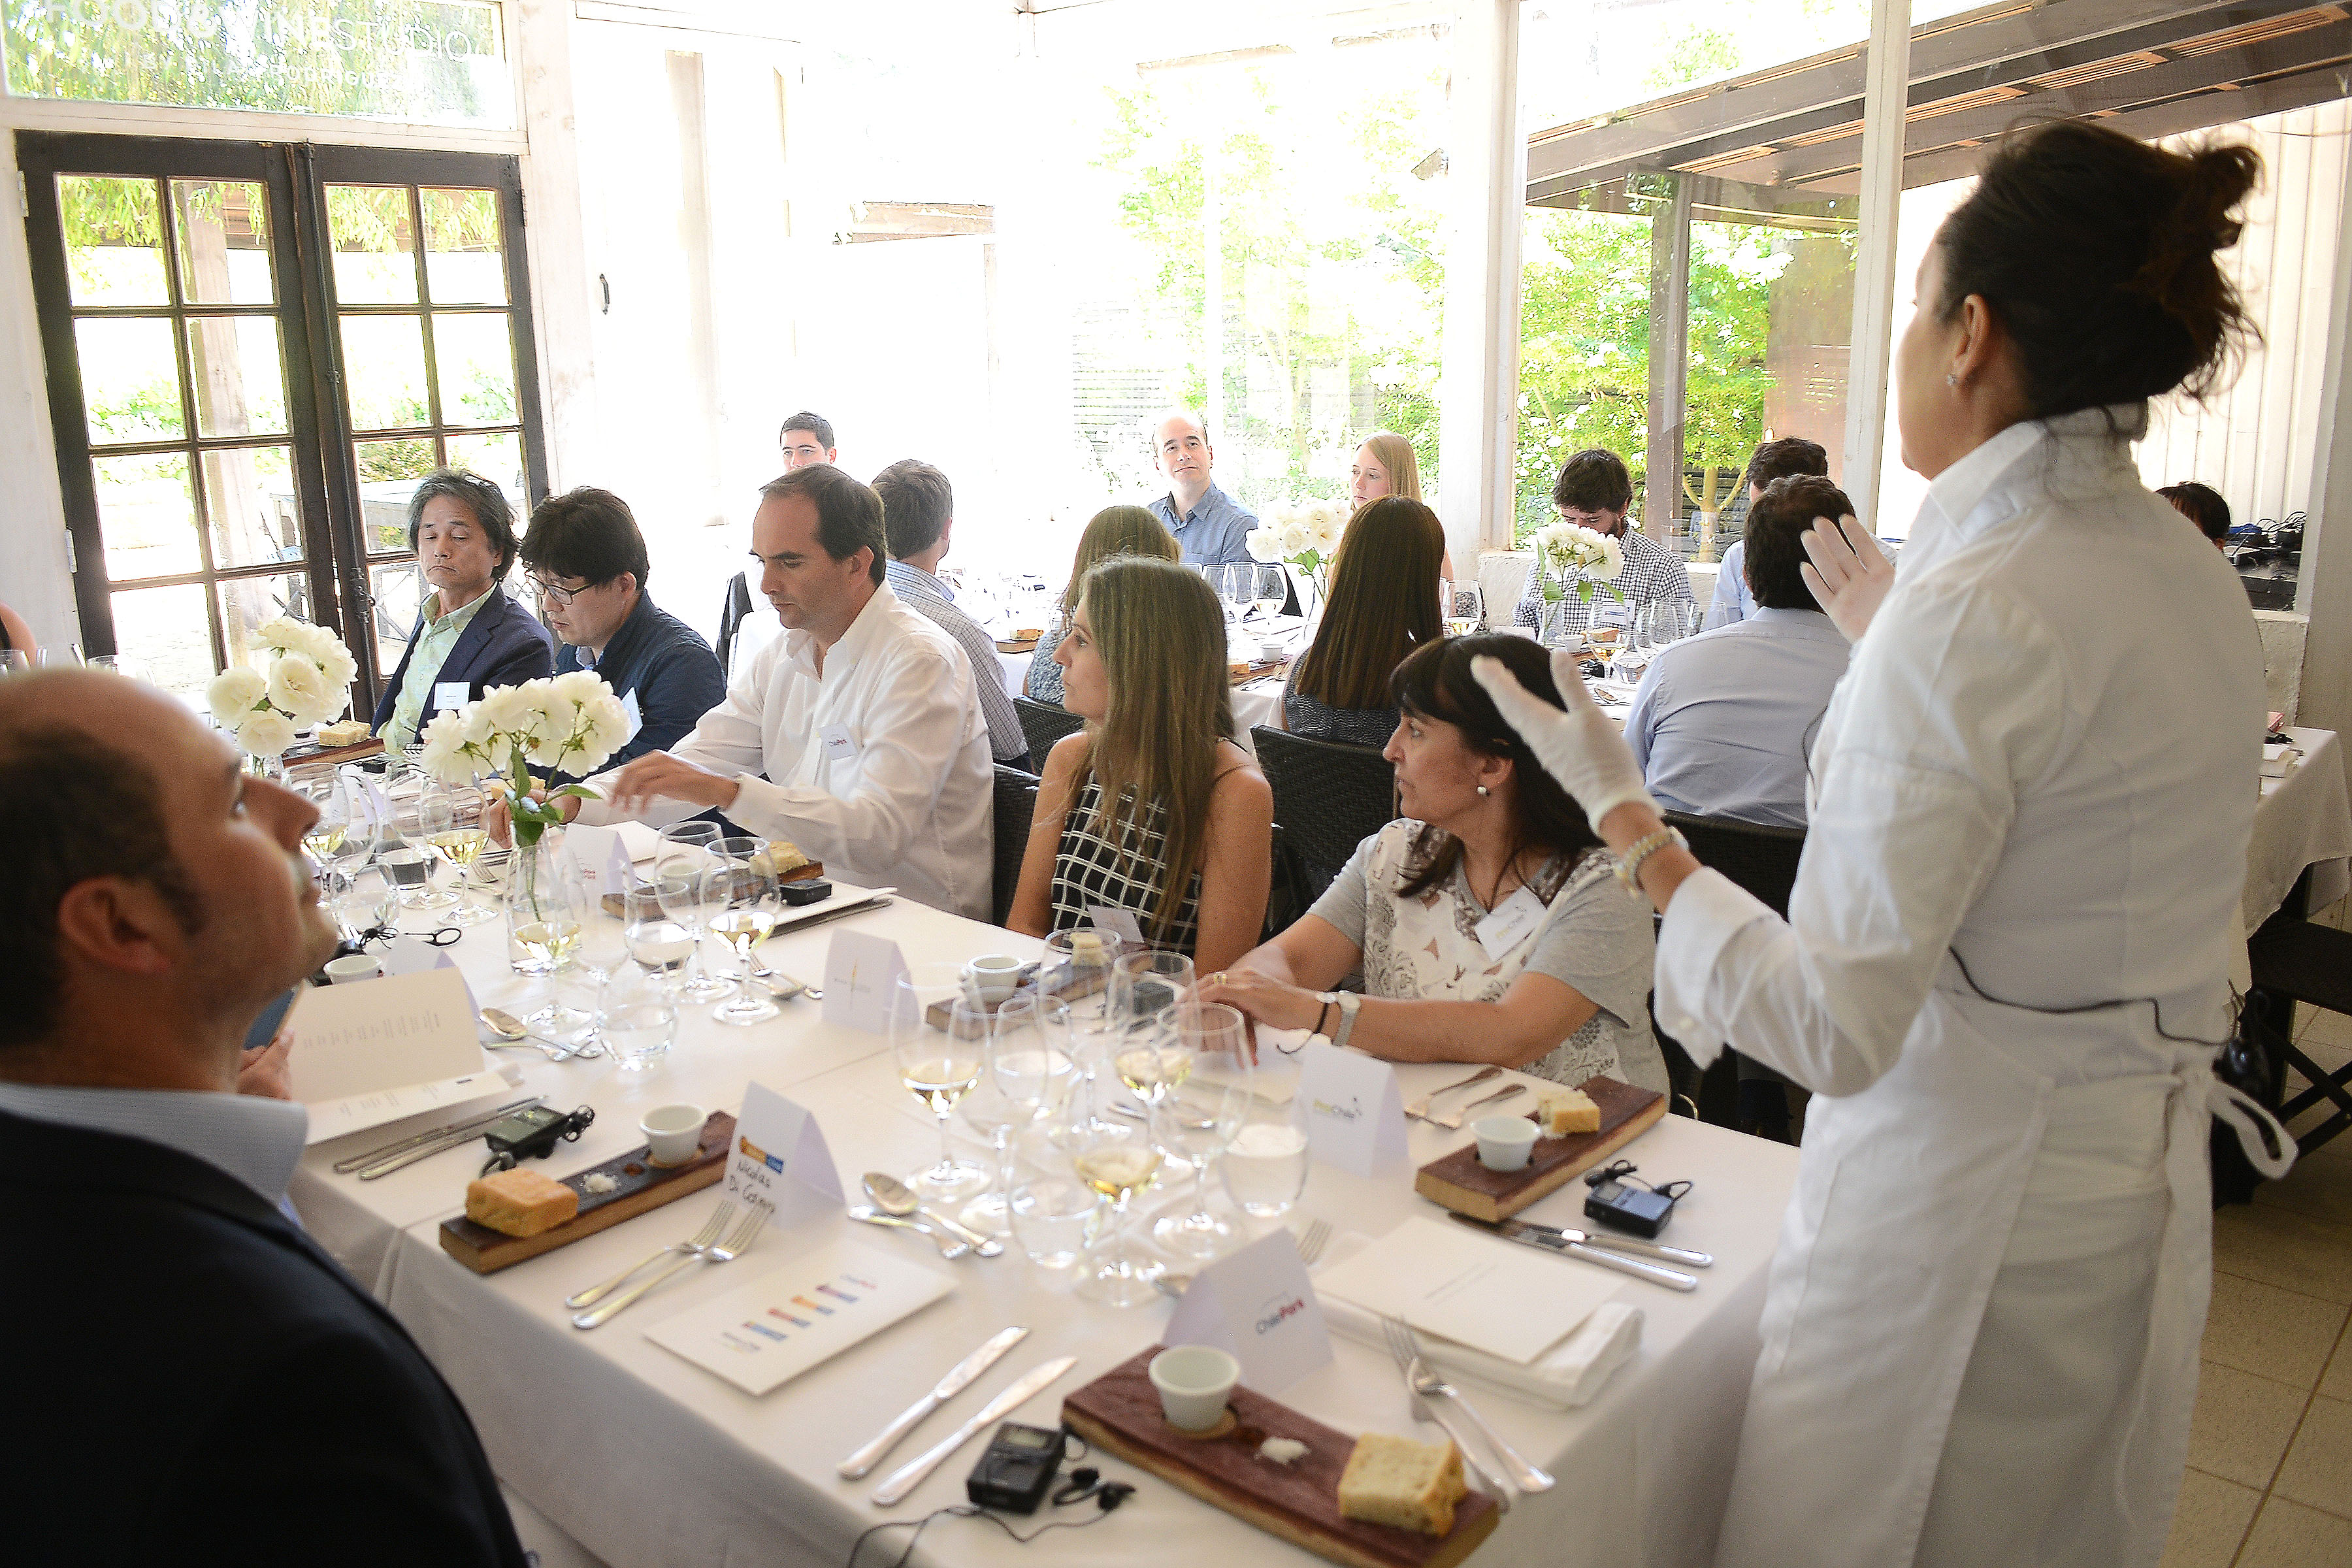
<point>1508,1300</point>
<point>771,1330</point>
<point>375,1050</point>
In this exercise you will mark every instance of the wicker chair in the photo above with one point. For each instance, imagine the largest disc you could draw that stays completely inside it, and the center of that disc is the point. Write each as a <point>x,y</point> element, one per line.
<point>1045,724</point>
<point>1016,807</point>
<point>1328,797</point>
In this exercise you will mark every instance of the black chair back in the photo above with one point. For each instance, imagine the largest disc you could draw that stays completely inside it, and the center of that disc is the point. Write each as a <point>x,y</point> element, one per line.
<point>738,605</point>
<point>1328,797</point>
<point>1045,724</point>
<point>1016,808</point>
<point>1761,859</point>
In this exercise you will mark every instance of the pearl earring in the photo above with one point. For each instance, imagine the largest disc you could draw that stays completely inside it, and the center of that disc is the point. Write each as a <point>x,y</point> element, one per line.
<point>1483,790</point>
<point>1951,381</point>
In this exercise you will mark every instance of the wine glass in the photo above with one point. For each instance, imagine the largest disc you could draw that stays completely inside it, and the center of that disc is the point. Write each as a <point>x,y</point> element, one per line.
<point>1462,604</point>
<point>637,1017</point>
<point>1671,620</point>
<point>1029,1029</point>
<point>1118,1160</point>
<point>1054,1215</point>
<point>1077,970</point>
<point>364,903</point>
<point>1148,982</point>
<point>1195,1119</point>
<point>938,1039</point>
<point>15,662</point>
<point>747,879</point>
<point>409,856</point>
<point>682,883</point>
<point>1269,590</point>
<point>453,831</point>
<point>605,939</point>
<point>1266,1165</point>
<point>659,944</point>
<point>323,839</point>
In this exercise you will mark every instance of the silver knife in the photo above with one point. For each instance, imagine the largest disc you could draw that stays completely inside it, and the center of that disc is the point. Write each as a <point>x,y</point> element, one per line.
<point>910,1476</point>
<point>1528,1235</point>
<point>1615,1243</point>
<point>1419,1108</point>
<point>953,1383</point>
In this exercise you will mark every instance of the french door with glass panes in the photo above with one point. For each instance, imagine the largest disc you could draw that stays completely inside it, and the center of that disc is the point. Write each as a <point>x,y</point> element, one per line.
<point>254,351</point>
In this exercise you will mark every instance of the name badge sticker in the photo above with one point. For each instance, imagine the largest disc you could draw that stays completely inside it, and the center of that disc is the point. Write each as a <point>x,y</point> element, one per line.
<point>633,718</point>
<point>1508,924</point>
<point>838,746</point>
<point>449,694</point>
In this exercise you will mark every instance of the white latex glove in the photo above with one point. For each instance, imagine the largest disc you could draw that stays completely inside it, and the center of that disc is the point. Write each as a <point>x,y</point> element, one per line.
<point>1577,746</point>
<point>1847,571</point>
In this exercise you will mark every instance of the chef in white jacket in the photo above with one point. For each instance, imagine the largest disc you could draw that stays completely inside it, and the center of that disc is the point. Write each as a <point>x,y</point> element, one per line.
<point>2004,970</point>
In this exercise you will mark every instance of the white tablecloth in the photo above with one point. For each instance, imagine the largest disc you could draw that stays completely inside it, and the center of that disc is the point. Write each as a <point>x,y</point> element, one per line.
<point>2304,819</point>
<point>645,1459</point>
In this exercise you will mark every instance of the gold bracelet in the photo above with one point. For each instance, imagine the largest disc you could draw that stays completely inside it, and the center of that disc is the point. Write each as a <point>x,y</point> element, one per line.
<point>1629,868</point>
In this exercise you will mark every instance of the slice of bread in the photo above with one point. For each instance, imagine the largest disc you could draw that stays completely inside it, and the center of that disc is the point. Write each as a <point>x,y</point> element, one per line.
<point>1397,1481</point>
<point>520,1202</point>
<point>1561,1111</point>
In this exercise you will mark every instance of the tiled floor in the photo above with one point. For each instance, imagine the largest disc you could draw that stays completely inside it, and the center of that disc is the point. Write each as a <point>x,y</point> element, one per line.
<point>2270,1451</point>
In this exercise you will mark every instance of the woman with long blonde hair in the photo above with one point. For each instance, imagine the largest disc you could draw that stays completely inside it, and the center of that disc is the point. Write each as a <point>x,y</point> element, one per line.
<point>1150,809</point>
<point>1384,465</point>
<point>1383,606</point>
<point>1114,530</point>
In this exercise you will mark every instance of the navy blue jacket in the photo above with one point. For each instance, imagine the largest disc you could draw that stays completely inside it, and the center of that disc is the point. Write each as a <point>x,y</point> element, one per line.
<point>259,1407</point>
<point>667,665</point>
<point>503,644</point>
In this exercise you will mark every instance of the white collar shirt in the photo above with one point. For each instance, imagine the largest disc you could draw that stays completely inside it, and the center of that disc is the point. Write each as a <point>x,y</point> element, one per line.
<point>878,765</point>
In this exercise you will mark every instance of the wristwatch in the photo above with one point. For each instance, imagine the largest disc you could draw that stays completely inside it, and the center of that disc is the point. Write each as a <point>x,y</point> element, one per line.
<point>1346,1002</point>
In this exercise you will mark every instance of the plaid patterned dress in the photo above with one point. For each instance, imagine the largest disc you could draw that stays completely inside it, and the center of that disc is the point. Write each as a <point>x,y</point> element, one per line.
<point>1092,871</point>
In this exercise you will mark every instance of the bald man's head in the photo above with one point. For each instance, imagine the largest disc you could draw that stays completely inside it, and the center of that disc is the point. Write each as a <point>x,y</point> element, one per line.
<point>157,888</point>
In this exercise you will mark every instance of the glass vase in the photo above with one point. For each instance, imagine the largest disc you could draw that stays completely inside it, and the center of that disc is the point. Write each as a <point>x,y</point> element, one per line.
<point>546,907</point>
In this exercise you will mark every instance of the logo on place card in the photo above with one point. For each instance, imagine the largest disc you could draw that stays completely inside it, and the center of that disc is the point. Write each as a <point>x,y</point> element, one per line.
<point>1352,1110</point>
<point>1279,1309</point>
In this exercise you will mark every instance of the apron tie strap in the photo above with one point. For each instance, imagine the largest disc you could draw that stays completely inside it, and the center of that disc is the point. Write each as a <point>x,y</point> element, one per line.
<point>2270,1147</point>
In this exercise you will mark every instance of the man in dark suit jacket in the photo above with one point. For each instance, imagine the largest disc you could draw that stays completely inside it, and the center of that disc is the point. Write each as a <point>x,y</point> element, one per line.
<point>188,1378</point>
<point>471,636</point>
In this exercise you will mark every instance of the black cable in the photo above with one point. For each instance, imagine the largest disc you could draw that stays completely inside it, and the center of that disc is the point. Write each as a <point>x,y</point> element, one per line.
<point>962,1510</point>
<point>2155,1006</point>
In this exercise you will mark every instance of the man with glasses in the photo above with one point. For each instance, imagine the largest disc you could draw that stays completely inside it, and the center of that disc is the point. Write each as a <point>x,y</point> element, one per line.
<point>1594,491</point>
<point>588,567</point>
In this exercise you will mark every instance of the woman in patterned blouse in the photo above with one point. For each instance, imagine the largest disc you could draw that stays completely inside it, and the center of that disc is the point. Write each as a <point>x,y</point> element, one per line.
<point>1488,920</point>
<point>1150,809</point>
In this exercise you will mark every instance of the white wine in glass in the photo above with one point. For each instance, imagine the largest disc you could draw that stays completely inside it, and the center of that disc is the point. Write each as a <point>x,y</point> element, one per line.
<point>546,945</point>
<point>939,1082</point>
<point>461,846</point>
<point>1118,1169</point>
<point>1152,1069</point>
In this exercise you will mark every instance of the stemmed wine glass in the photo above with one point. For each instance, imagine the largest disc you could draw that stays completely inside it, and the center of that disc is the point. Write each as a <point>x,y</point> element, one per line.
<point>746,877</point>
<point>453,818</point>
<point>1462,604</point>
<point>1195,1119</point>
<point>938,1039</point>
<point>410,860</point>
<point>1029,1075</point>
<point>363,902</point>
<point>1077,970</point>
<point>1118,1160</point>
<point>1269,589</point>
<point>688,852</point>
<point>660,944</point>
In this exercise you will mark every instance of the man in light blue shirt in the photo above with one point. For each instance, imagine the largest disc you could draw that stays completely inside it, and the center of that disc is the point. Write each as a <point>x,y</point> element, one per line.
<point>1773,460</point>
<point>1722,723</point>
<point>919,519</point>
<point>1211,529</point>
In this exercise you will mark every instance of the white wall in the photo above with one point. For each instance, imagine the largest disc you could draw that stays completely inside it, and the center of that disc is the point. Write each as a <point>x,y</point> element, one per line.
<point>34,579</point>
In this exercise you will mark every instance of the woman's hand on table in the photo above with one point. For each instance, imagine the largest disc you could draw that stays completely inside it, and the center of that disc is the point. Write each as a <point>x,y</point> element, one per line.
<point>1264,999</point>
<point>1578,744</point>
<point>499,822</point>
<point>1847,571</point>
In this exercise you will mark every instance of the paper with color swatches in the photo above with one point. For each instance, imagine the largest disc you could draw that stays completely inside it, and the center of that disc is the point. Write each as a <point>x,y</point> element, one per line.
<point>769,1331</point>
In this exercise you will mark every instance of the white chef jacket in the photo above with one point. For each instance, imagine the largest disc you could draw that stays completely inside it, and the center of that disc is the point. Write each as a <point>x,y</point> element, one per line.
<point>1979,1337</point>
<point>880,767</point>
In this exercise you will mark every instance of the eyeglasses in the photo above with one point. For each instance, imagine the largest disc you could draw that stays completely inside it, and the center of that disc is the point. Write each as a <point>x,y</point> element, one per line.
<point>549,594</point>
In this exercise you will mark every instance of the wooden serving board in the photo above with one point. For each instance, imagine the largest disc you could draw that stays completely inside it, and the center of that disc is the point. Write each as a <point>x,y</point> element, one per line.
<point>642,1188</point>
<point>1460,1182</point>
<point>1119,1412</point>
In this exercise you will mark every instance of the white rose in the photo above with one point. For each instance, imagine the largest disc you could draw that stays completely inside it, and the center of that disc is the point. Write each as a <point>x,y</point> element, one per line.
<point>279,631</point>
<point>1265,544</point>
<point>604,730</point>
<point>1295,538</point>
<point>580,687</point>
<point>299,688</point>
<point>554,720</point>
<point>266,733</point>
<point>1612,560</point>
<point>504,711</point>
<point>446,757</point>
<point>233,693</point>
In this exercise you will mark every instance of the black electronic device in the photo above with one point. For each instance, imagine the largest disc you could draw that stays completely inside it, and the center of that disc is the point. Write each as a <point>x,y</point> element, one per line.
<point>532,1133</point>
<point>812,890</point>
<point>1016,1470</point>
<point>1623,1204</point>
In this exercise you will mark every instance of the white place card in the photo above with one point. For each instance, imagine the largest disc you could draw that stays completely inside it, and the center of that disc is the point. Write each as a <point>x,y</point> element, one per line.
<point>596,851</point>
<point>1509,1301</point>
<point>410,955</point>
<point>1258,1304</point>
<point>768,1330</point>
<point>860,968</point>
<point>1121,923</point>
<point>641,843</point>
<point>1355,1116</point>
<point>779,1158</point>
<point>375,1050</point>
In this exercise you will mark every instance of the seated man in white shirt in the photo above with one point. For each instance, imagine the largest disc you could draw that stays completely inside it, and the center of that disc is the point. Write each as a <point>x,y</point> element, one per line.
<point>856,734</point>
<point>1779,459</point>
<point>1723,722</point>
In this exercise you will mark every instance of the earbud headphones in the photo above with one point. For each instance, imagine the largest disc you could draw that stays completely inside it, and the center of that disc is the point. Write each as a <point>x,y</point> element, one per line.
<point>1086,1481</point>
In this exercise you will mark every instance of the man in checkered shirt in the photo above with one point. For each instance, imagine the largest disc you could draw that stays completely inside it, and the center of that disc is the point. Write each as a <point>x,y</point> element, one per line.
<point>1593,490</point>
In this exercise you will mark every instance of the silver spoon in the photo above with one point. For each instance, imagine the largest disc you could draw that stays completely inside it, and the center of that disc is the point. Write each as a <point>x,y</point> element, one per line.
<point>507,1026</point>
<point>893,1196</point>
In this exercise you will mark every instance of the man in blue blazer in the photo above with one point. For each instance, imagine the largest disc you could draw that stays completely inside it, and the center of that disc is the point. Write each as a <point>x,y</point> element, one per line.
<point>190,1378</point>
<point>471,636</point>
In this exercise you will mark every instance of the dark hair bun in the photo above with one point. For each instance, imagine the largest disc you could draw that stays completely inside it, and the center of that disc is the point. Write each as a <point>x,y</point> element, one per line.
<point>2098,252</point>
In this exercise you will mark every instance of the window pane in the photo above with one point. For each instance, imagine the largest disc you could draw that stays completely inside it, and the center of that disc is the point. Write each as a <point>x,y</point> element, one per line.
<point>375,243</point>
<point>464,258</point>
<point>249,500</point>
<point>474,355</point>
<point>147,515</point>
<point>398,591</point>
<point>223,229</point>
<point>168,633</point>
<point>114,247</point>
<point>239,380</point>
<point>130,379</point>
<point>497,456</point>
<point>247,602</point>
<point>383,372</point>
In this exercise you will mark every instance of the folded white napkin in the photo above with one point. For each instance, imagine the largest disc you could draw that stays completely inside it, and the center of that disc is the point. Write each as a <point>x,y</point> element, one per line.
<point>1565,1377</point>
<point>2278,760</point>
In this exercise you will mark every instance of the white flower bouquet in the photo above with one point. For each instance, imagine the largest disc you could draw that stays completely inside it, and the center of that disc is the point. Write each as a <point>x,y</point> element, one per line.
<point>307,682</point>
<point>1303,536</point>
<point>572,722</point>
<point>1568,555</point>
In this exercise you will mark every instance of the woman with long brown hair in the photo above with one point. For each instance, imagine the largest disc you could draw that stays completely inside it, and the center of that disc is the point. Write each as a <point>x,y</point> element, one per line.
<point>1385,464</point>
<point>1150,809</point>
<point>1114,530</point>
<point>1383,606</point>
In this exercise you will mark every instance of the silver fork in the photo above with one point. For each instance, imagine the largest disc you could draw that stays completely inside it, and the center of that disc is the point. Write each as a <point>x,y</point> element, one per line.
<point>1408,1360</point>
<point>1311,1245</point>
<point>738,1242</point>
<point>695,1243</point>
<point>1426,1382</point>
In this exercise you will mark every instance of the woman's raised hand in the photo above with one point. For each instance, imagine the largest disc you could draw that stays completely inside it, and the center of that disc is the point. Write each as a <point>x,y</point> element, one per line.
<point>1847,571</point>
<point>1577,745</point>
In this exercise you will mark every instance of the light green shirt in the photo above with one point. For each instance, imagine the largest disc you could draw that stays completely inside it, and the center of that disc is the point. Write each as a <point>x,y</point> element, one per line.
<point>433,645</point>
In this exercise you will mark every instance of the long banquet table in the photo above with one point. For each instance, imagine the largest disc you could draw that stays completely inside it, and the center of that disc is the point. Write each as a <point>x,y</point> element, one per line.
<point>643,1458</point>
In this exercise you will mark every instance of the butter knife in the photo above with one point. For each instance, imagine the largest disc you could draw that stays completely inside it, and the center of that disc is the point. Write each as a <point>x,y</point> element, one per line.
<point>1453,1118</point>
<point>1419,1108</point>
<point>910,1476</point>
<point>1528,1235</point>
<point>953,1383</point>
<point>1617,1243</point>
